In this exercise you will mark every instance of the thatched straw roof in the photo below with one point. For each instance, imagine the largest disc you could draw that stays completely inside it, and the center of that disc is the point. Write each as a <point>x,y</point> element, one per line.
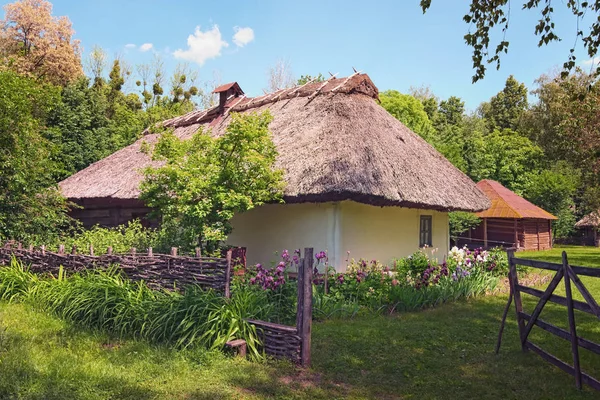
<point>508,204</point>
<point>335,143</point>
<point>590,220</point>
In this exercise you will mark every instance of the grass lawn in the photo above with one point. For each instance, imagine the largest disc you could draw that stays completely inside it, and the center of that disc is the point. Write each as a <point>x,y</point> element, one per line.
<point>442,353</point>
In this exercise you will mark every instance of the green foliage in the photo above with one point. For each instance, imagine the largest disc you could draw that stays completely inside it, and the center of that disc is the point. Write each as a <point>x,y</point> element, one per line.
<point>486,18</point>
<point>106,301</point>
<point>304,79</point>
<point>407,110</point>
<point>206,180</point>
<point>121,238</point>
<point>553,190</point>
<point>505,109</point>
<point>461,222</point>
<point>30,206</point>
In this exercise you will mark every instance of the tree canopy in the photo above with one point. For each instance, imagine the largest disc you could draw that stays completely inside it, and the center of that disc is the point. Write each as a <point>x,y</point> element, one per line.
<point>34,42</point>
<point>206,180</point>
<point>489,20</point>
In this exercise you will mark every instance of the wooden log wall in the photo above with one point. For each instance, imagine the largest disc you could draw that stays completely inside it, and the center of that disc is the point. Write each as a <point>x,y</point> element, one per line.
<point>168,271</point>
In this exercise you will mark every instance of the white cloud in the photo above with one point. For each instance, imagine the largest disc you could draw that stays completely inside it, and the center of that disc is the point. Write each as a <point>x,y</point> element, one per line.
<point>202,46</point>
<point>146,47</point>
<point>242,36</point>
<point>592,61</point>
<point>130,46</point>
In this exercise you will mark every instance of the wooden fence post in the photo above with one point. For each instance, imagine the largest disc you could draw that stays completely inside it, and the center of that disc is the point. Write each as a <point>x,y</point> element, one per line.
<point>91,250</point>
<point>133,250</point>
<point>305,333</point>
<point>228,275</point>
<point>61,249</point>
<point>174,251</point>
<point>74,250</point>
<point>109,251</point>
<point>198,252</point>
<point>150,254</point>
<point>43,248</point>
<point>300,302</point>
<point>513,281</point>
<point>572,329</point>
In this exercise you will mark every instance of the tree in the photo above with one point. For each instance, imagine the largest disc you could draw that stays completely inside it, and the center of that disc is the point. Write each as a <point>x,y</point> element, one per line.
<point>505,109</point>
<point>31,208</point>
<point>553,190</point>
<point>34,42</point>
<point>488,16</point>
<point>280,76</point>
<point>409,111</point>
<point>460,222</point>
<point>206,180</point>
<point>514,157</point>
<point>304,79</point>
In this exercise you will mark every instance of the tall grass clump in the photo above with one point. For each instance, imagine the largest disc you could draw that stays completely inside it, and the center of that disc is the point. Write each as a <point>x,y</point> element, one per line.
<point>107,301</point>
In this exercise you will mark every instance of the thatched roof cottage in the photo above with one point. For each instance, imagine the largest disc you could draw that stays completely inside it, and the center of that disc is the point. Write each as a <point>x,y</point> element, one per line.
<point>358,180</point>
<point>589,226</point>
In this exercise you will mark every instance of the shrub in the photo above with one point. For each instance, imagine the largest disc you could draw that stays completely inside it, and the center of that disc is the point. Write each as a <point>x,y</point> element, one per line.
<point>121,238</point>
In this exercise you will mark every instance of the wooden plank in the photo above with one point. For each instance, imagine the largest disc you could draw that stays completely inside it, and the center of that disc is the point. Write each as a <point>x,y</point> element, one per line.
<point>514,285</point>
<point>585,378</point>
<point>572,326</point>
<point>504,315</point>
<point>563,334</point>
<point>228,275</point>
<point>485,232</point>
<point>305,333</point>
<point>578,305</point>
<point>543,300</point>
<point>586,271</point>
<point>584,292</point>
<point>274,326</point>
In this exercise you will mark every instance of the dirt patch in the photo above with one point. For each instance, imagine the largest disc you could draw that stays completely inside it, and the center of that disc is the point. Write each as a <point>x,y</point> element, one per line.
<point>532,279</point>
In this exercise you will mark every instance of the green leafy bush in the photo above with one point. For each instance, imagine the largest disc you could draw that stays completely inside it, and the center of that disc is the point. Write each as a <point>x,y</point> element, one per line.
<point>121,238</point>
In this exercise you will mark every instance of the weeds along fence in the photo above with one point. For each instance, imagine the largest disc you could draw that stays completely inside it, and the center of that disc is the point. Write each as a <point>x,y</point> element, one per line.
<point>167,271</point>
<point>171,271</point>
<point>570,274</point>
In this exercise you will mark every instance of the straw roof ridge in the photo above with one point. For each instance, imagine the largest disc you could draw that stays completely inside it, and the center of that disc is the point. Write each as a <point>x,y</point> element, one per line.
<point>335,143</point>
<point>590,220</point>
<point>507,204</point>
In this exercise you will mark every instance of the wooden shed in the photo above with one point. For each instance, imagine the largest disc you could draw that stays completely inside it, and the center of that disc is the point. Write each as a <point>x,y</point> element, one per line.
<point>589,226</point>
<point>511,221</point>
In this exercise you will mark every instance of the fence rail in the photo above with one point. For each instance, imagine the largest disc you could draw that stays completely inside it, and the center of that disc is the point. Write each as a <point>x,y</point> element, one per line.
<point>525,321</point>
<point>157,270</point>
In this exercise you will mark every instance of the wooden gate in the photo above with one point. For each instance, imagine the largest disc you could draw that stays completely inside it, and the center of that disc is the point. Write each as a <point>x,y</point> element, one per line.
<point>525,321</point>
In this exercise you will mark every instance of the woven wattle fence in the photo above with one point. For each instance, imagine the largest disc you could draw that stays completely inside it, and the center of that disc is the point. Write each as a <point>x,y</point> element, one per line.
<point>168,271</point>
<point>171,271</point>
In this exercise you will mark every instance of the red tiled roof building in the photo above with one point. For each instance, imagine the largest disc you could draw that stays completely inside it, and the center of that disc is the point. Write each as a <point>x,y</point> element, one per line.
<point>511,221</point>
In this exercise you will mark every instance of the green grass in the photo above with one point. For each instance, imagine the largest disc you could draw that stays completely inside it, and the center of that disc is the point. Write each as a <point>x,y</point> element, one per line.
<point>441,353</point>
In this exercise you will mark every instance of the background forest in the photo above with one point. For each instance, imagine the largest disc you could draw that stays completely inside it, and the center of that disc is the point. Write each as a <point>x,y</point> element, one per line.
<point>60,113</point>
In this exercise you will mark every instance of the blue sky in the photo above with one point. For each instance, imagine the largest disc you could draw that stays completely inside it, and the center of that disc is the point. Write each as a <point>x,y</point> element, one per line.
<point>392,41</point>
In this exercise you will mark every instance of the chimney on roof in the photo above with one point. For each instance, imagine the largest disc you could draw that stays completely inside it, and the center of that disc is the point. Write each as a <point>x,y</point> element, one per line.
<point>226,92</point>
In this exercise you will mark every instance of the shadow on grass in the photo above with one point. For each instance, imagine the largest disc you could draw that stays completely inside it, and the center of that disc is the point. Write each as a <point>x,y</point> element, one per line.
<point>446,352</point>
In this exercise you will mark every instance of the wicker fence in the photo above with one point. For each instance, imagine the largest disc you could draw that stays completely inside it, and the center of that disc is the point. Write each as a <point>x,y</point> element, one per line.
<point>173,271</point>
<point>157,270</point>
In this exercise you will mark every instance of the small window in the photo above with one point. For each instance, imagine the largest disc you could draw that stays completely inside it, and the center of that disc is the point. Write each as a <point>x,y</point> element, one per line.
<point>425,231</point>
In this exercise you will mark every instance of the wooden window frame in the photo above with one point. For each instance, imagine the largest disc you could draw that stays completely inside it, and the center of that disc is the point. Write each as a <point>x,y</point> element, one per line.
<point>429,239</point>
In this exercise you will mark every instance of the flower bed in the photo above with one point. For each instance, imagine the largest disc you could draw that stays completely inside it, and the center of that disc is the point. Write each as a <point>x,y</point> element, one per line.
<point>410,283</point>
